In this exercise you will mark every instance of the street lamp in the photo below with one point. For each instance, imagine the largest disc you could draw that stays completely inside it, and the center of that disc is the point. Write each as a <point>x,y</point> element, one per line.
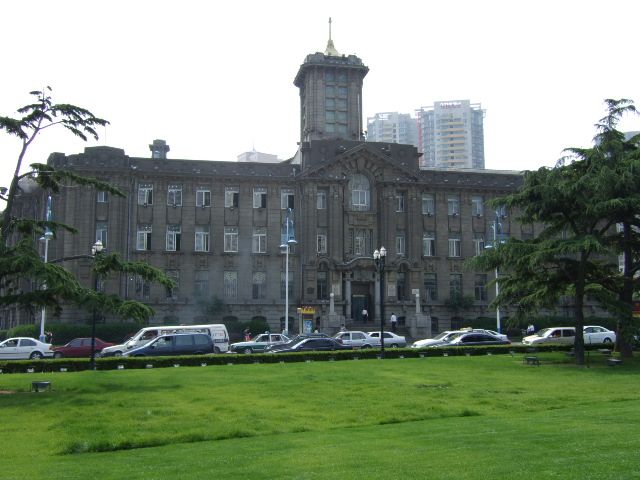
<point>379,256</point>
<point>96,250</point>
<point>496,226</point>
<point>289,238</point>
<point>48,234</point>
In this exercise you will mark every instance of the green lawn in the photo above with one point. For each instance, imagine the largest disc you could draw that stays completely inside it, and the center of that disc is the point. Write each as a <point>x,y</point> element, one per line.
<point>444,417</point>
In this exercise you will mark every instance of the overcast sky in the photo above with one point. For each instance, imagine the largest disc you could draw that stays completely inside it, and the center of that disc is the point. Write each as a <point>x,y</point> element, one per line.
<point>215,79</point>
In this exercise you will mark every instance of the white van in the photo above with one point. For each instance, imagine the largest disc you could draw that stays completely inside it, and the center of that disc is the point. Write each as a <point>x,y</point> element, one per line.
<point>217,332</point>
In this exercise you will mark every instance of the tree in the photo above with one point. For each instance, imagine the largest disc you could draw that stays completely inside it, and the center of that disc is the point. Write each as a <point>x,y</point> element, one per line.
<point>457,302</point>
<point>19,257</point>
<point>572,255</point>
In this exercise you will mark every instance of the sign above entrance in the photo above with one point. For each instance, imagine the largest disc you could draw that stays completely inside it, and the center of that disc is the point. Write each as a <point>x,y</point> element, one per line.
<point>308,310</point>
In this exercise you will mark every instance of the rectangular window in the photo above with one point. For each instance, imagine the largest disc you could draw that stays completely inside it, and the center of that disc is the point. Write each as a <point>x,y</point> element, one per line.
<point>283,283</point>
<point>231,239</point>
<point>428,204</point>
<point>259,285</point>
<point>428,244</point>
<point>477,206</point>
<point>142,288</point>
<point>481,287</point>
<point>399,200</point>
<point>401,285</point>
<point>322,285</point>
<point>145,194</point>
<point>430,283</point>
<point>453,205</point>
<point>143,237</point>
<point>321,243</point>
<point>259,197</point>
<point>231,196</point>
<point>478,243</point>
<point>201,284</point>
<point>231,285</point>
<point>361,242</point>
<point>400,244</point>
<point>174,195</point>
<point>101,233</point>
<point>102,197</point>
<point>454,247</point>
<point>286,198</point>
<point>172,292</point>
<point>455,284</point>
<point>321,200</point>
<point>202,238</point>
<point>259,241</point>
<point>203,197</point>
<point>173,238</point>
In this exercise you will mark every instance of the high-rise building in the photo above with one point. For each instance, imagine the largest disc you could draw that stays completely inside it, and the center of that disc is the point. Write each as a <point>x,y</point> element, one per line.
<point>451,135</point>
<point>259,157</point>
<point>392,127</point>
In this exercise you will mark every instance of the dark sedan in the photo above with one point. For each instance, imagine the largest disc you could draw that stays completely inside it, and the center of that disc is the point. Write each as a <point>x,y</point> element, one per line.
<point>311,344</point>
<point>472,339</point>
<point>79,347</point>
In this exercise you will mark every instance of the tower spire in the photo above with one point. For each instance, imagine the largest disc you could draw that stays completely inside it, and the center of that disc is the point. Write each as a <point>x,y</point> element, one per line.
<point>331,49</point>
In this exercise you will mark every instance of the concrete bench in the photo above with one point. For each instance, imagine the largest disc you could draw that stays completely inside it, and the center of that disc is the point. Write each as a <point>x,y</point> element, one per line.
<point>612,362</point>
<point>40,386</point>
<point>531,361</point>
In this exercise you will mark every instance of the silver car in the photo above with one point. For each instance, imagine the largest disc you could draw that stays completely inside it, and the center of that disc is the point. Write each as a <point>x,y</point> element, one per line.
<point>24,348</point>
<point>357,339</point>
<point>390,339</point>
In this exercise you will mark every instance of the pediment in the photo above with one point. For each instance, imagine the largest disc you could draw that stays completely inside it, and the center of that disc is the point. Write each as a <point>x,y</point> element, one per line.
<point>370,158</point>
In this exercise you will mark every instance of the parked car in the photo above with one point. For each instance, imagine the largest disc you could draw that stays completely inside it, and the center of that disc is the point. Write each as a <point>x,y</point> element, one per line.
<point>174,344</point>
<point>475,338</point>
<point>296,339</point>
<point>390,339</point>
<point>309,344</point>
<point>501,336</point>
<point>596,334</point>
<point>17,348</point>
<point>357,339</point>
<point>552,336</point>
<point>258,343</point>
<point>79,347</point>
<point>443,337</point>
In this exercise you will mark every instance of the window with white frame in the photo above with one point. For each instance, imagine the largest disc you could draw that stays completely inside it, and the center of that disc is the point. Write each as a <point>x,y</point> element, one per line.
<point>429,244</point>
<point>102,196</point>
<point>231,239</point>
<point>230,285</point>
<point>360,192</point>
<point>428,204</point>
<point>259,285</point>
<point>202,237</point>
<point>478,243</point>
<point>173,238</point>
<point>174,195</point>
<point>231,196</point>
<point>430,284</point>
<point>480,287</point>
<point>287,198</point>
<point>454,247</point>
<point>145,194</point>
<point>260,197</point>
<point>477,206</point>
<point>203,197</point>
<point>259,241</point>
<point>321,242</point>
<point>453,205</point>
<point>142,288</point>
<point>361,242</point>
<point>321,200</point>
<point>143,237</point>
<point>101,233</point>
<point>172,292</point>
<point>201,283</point>
<point>400,244</point>
<point>399,200</point>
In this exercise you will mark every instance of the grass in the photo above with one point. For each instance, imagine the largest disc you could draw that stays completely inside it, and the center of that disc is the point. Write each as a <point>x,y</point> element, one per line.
<point>450,418</point>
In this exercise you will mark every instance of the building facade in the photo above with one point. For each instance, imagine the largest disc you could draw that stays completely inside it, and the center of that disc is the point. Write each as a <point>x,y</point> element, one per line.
<point>451,135</point>
<point>216,227</point>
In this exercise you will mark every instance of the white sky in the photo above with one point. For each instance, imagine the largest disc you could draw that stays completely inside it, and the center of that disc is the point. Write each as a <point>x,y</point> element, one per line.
<point>215,79</point>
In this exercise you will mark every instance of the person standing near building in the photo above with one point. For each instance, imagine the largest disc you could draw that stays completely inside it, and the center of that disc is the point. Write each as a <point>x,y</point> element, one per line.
<point>394,322</point>
<point>365,315</point>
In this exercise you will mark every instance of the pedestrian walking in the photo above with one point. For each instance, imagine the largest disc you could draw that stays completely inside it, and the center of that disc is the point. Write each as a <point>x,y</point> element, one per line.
<point>394,322</point>
<point>247,334</point>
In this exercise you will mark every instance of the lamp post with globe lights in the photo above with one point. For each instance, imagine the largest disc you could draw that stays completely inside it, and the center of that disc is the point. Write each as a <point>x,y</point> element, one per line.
<point>96,250</point>
<point>379,257</point>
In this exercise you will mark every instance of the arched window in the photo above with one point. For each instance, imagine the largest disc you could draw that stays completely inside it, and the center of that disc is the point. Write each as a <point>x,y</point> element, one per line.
<point>360,192</point>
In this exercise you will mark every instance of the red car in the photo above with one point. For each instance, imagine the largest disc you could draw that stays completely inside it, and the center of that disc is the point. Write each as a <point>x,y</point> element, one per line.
<point>79,347</point>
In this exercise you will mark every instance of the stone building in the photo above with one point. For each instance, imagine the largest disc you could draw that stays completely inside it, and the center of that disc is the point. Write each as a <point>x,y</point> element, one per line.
<point>217,227</point>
